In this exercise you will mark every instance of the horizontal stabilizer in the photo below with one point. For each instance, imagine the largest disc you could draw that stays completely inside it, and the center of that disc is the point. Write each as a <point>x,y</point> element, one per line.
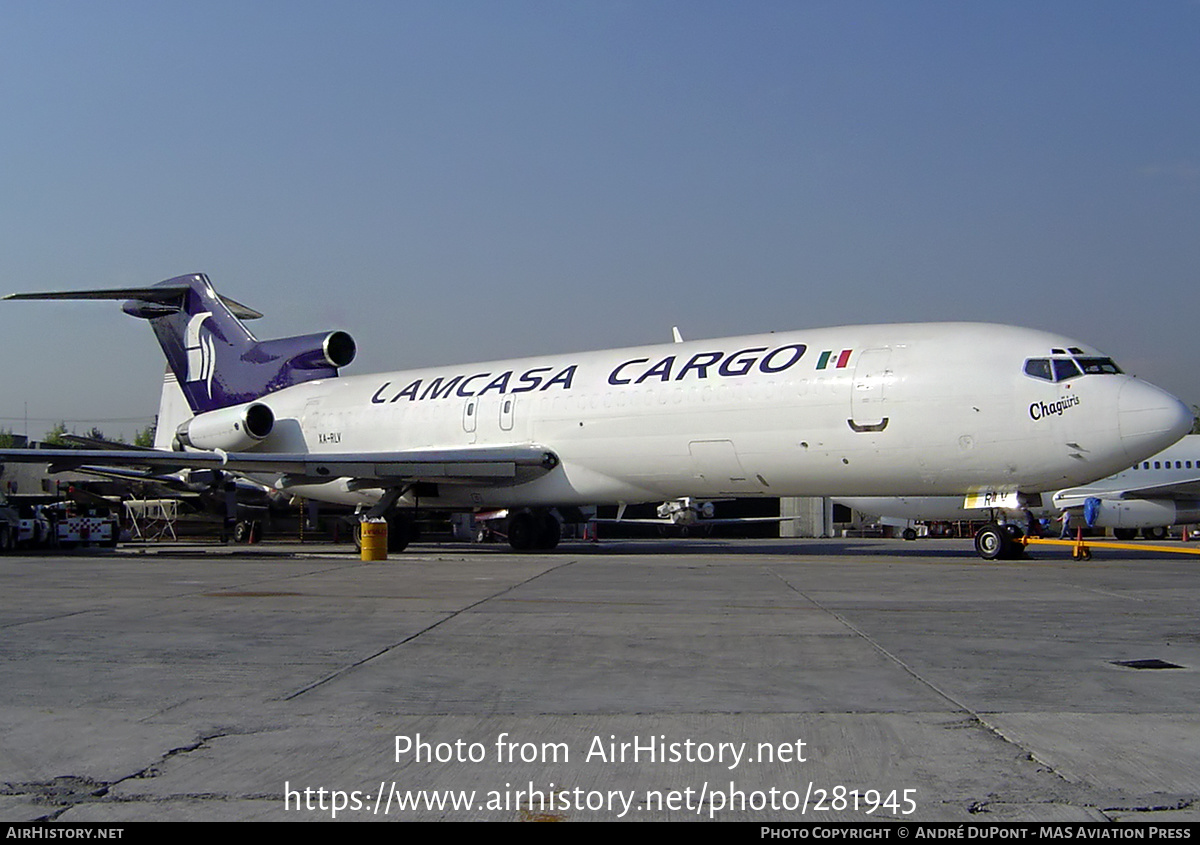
<point>169,295</point>
<point>217,362</point>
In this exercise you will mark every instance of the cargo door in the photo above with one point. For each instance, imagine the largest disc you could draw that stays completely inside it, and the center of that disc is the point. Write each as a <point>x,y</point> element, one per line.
<point>868,394</point>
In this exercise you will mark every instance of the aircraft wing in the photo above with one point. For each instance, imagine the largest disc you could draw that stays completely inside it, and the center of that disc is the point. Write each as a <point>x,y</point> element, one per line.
<point>1182,489</point>
<point>165,479</point>
<point>81,442</point>
<point>1186,488</point>
<point>497,465</point>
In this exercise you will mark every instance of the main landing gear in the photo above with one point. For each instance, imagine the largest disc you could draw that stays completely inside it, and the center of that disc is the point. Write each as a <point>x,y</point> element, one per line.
<point>530,530</point>
<point>996,541</point>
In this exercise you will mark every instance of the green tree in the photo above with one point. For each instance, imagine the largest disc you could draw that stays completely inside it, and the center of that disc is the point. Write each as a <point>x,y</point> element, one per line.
<point>7,441</point>
<point>54,437</point>
<point>145,437</point>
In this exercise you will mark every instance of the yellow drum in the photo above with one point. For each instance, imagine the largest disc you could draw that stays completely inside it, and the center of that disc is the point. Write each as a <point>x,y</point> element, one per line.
<point>374,536</point>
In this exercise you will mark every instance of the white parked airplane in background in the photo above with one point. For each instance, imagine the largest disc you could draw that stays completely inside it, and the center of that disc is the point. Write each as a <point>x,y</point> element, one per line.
<point>1161,491</point>
<point>907,409</point>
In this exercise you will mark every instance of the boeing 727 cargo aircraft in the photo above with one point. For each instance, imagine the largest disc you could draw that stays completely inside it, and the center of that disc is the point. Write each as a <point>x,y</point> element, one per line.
<point>907,409</point>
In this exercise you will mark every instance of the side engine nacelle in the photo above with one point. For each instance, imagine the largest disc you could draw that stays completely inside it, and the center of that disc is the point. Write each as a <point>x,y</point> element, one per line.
<point>230,429</point>
<point>318,351</point>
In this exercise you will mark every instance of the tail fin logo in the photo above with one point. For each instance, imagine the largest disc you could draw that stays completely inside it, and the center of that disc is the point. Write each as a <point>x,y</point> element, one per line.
<point>201,355</point>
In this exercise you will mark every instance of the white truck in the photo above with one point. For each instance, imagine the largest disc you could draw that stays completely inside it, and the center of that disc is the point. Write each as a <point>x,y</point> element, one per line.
<point>35,531</point>
<point>77,524</point>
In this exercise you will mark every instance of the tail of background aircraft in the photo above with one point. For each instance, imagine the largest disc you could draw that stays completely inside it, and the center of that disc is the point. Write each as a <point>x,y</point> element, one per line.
<point>173,411</point>
<point>217,361</point>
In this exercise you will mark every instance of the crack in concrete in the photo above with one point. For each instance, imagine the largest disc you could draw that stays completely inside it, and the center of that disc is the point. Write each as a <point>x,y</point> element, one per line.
<point>974,718</point>
<point>1179,802</point>
<point>337,673</point>
<point>68,791</point>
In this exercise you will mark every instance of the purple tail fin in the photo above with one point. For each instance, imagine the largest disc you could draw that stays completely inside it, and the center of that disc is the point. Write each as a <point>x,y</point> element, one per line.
<point>217,360</point>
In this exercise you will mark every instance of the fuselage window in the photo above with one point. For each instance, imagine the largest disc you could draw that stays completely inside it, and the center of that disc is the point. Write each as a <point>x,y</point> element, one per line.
<point>1157,465</point>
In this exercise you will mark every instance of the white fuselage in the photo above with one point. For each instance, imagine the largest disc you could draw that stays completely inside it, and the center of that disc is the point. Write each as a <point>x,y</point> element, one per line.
<point>913,409</point>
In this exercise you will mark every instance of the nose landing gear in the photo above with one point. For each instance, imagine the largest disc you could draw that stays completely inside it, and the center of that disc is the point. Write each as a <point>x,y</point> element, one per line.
<point>999,542</point>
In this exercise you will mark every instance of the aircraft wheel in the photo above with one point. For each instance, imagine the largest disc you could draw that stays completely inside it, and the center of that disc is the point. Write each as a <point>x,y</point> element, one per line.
<point>1125,533</point>
<point>909,534</point>
<point>358,536</point>
<point>400,533</point>
<point>549,531</point>
<point>992,542</point>
<point>241,532</point>
<point>522,532</point>
<point>1155,533</point>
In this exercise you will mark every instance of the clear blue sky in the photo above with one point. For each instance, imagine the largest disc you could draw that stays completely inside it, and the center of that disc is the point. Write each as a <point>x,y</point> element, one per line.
<point>457,181</point>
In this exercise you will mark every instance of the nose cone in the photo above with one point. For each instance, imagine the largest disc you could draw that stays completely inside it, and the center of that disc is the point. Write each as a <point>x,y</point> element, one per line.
<point>1149,419</point>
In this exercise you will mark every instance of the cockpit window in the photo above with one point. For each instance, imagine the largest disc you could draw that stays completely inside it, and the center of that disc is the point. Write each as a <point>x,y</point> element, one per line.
<point>1061,369</point>
<point>1065,368</point>
<point>1039,368</point>
<point>1098,365</point>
